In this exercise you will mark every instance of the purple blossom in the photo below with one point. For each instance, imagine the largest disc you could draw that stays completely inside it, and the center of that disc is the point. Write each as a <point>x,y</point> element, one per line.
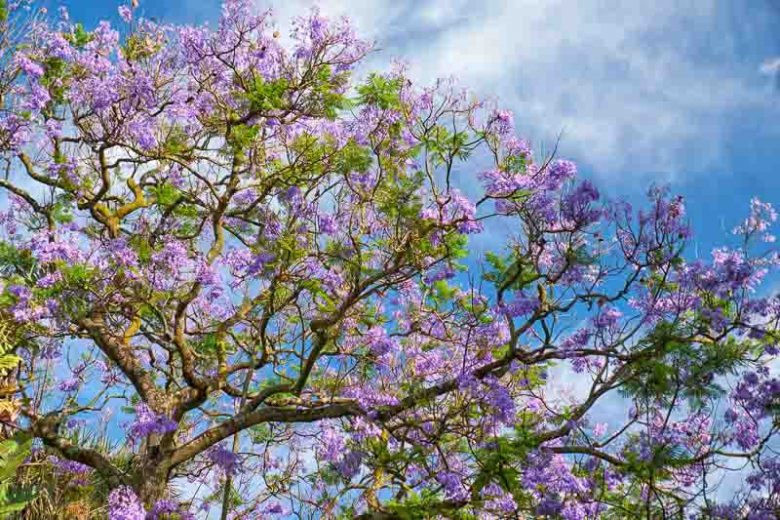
<point>607,318</point>
<point>550,505</point>
<point>521,305</point>
<point>560,171</point>
<point>349,465</point>
<point>454,488</point>
<point>29,67</point>
<point>501,123</point>
<point>226,460</point>
<point>143,131</point>
<point>126,13</point>
<point>499,398</point>
<point>327,224</point>
<point>762,216</point>
<point>78,472</point>
<point>123,504</point>
<point>163,508</point>
<point>39,97</point>
<point>498,500</point>
<point>378,341</point>
<point>70,385</point>
<point>332,445</point>
<point>147,423</point>
<point>576,206</point>
<point>276,509</point>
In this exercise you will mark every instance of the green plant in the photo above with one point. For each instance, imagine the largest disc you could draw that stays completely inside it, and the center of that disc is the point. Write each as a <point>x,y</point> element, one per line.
<point>13,453</point>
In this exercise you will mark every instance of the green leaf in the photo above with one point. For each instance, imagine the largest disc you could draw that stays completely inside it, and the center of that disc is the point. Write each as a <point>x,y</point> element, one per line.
<point>381,91</point>
<point>13,452</point>
<point>79,37</point>
<point>265,96</point>
<point>165,194</point>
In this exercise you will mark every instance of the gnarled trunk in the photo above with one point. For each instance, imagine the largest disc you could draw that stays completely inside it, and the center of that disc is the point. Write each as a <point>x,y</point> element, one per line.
<point>151,482</point>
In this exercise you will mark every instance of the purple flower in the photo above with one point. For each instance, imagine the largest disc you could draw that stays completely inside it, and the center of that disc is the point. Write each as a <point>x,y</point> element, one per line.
<point>454,489</point>
<point>576,206</point>
<point>327,224</point>
<point>123,504</point>
<point>29,67</point>
<point>607,318</point>
<point>143,132</point>
<point>163,508</point>
<point>499,398</point>
<point>332,445</point>
<point>39,97</point>
<point>762,216</point>
<point>70,385</point>
<point>498,500</point>
<point>378,341</point>
<point>275,508</point>
<point>501,123</point>
<point>126,13</point>
<point>548,506</point>
<point>349,465</point>
<point>521,305</point>
<point>77,471</point>
<point>147,422</point>
<point>228,461</point>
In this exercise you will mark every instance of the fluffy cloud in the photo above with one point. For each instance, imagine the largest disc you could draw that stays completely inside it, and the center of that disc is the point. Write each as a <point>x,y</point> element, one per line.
<point>636,89</point>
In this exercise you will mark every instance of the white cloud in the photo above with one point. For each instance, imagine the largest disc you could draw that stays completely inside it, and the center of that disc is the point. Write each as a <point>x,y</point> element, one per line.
<point>770,67</point>
<point>638,89</point>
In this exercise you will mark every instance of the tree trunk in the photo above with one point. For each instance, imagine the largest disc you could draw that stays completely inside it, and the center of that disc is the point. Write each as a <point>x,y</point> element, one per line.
<point>151,483</point>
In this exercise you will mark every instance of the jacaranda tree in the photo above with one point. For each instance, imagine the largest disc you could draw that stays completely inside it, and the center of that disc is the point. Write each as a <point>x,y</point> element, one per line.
<point>239,276</point>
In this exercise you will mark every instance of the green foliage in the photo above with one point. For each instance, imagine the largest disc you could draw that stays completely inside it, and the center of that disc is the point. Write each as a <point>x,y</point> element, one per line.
<point>142,248</point>
<point>13,452</point>
<point>443,144</point>
<point>667,351</point>
<point>165,194</point>
<point>426,505</point>
<point>55,71</point>
<point>234,497</point>
<point>515,163</point>
<point>176,142</point>
<point>381,91</point>
<point>510,272</point>
<point>327,87</point>
<point>140,46</point>
<point>241,138</point>
<point>61,211</point>
<point>8,360</point>
<point>265,96</point>
<point>79,38</point>
<point>354,158</point>
<point>14,261</point>
<point>76,275</point>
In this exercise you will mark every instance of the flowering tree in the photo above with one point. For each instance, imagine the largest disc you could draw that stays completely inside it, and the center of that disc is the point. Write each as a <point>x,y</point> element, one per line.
<point>253,272</point>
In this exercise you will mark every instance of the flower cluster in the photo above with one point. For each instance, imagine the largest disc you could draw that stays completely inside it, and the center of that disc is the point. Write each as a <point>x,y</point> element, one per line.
<point>123,504</point>
<point>147,422</point>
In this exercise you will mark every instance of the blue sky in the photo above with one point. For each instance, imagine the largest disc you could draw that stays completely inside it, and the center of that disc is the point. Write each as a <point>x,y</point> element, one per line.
<point>670,92</point>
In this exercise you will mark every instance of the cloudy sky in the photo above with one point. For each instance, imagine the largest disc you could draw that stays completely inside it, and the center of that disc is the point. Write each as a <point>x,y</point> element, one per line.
<point>666,91</point>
